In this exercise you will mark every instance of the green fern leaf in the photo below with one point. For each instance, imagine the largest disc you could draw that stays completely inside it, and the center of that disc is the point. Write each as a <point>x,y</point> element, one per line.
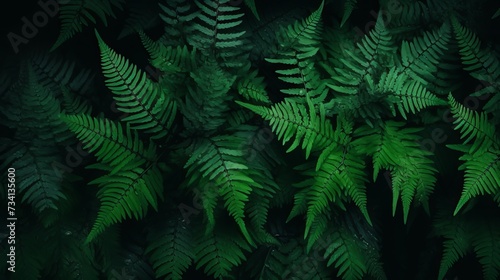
<point>73,104</point>
<point>171,249</point>
<point>218,159</point>
<point>473,125</point>
<point>126,193</point>
<point>411,95</point>
<point>421,56</point>
<point>481,175</point>
<point>482,158</point>
<point>112,145</point>
<point>299,43</point>
<point>35,163</point>
<point>219,252</point>
<point>349,6</point>
<point>479,62</point>
<point>341,175</point>
<point>54,73</point>
<point>149,107</point>
<point>33,110</point>
<point>487,248</point>
<point>303,35</point>
<point>457,243</point>
<point>397,150</point>
<point>346,255</point>
<point>253,87</point>
<point>214,31</point>
<point>177,16</point>
<point>141,16</point>
<point>358,67</point>
<point>206,102</point>
<point>76,14</point>
<point>251,5</point>
<point>268,263</point>
<point>289,119</point>
<point>167,58</point>
<point>497,14</point>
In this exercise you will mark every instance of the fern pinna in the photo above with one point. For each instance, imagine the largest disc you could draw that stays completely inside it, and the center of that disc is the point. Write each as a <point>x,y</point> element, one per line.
<point>273,142</point>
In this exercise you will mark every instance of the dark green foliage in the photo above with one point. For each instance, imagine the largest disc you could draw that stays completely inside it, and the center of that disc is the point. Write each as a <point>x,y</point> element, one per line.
<point>171,248</point>
<point>33,110</point>
<point>149,107</point>
<point>466,234</point>
<point>482,158</point>
<point>349,6</point>
<point>270,142</point>
<point>497,13</point>
<point>77,14</point>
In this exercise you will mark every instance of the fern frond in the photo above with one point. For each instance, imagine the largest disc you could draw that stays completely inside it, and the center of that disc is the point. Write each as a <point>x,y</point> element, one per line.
<point>479,62</point>
<point>302,75</point>
<point>218,159</point>
<point>77,14</point>
<point>214,32</point>
<point>260,160</point>
<point>77,259</point>
<point>497,14</point>
<point>473,126</point>
<point>150,108</point>
<point>349,6</point>
<point>357,67</point>
<point>291,120</point>
<point>251,5</point>
<point>219,252</point>
<point>171,249</point>
<point>481,175</point>
<point>482,158</point>
<point>303,35</point>
<point>410,95</point>
<point>457,243</point>
<point>54,72</point>
<point>340,175</point>
<point>177,16</point>
<point>41,187</point>
<point>267,263</point>
<point>397,149</point>
<point>73,104</point>
<point>347,256</point>
<point>34,110</point>
<point>421,56</point>
<point>141,16</point>
<point>168,58</point>
<point>253,87</point>
<point>126,194</point>
<point>487,248</point>
<point>262,34</point>
<point>299,43</point>
<point>409,19</point>
<point>114,146</point>
<point>368,235</point>
<point>206,102</point>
